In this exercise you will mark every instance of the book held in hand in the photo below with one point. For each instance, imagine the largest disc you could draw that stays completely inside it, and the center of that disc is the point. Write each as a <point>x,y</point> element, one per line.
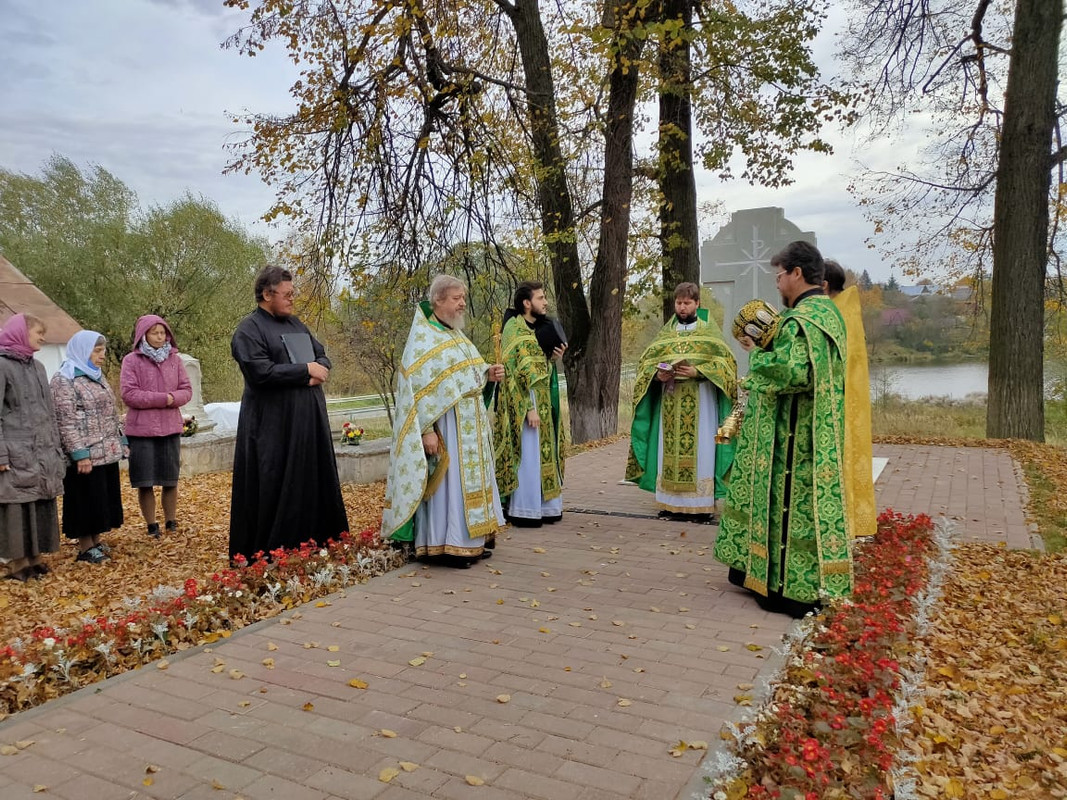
<point>299,348</point>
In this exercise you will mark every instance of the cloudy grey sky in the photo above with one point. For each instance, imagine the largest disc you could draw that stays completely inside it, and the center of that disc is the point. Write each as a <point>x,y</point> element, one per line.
<point>142,88</point>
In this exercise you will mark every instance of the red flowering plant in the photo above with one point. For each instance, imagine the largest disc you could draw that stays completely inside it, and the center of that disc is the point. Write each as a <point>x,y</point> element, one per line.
<point>829,728</point>
<point>52,662</point>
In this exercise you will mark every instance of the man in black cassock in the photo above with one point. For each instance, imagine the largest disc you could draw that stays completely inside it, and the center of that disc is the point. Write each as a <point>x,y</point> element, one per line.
<point>285,486</point>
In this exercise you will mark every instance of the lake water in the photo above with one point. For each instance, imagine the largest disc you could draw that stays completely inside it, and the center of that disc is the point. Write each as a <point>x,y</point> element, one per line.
<point>915,381</point>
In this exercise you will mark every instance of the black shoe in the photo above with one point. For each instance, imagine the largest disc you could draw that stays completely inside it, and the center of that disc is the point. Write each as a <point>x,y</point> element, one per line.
<point>777,604</point>
<point>736,577</point>
<point>172,526</point>
<point>94,555</point>
<point>524,522</point>
<point>551,520</point>
<point>21,576</point>
<point>670,516</point>
<point>485,554</point>
<point>39,569</point>
<point>703,519</point>
<point>458,562</point>
<point>153,530</point>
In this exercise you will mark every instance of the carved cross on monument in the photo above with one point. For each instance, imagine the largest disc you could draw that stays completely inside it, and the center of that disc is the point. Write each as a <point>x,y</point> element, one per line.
<point>736,264</point>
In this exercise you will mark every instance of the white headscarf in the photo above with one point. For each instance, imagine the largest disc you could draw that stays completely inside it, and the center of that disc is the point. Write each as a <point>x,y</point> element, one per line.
<point>79,348</point>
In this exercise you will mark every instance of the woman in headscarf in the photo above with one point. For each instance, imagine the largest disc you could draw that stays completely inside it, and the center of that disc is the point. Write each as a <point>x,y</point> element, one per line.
<point>154,385</point>
<point>31,460</point>
<point>91,433</point>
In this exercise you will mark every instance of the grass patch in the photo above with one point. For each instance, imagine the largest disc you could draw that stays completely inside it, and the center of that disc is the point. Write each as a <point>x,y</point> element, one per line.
<point>962,423</point>
<point>892,415</point>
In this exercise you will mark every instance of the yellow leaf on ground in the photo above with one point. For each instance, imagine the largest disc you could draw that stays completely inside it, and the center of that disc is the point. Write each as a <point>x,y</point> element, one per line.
<point>625,703</point>
<point>954,788</point>
<point>418,661</point>
<point>356,683</point>
<point>503,698</point>
<point>539,550</point>
<point>39,787</point>
<point>333,663</point>
<point>605,684</point>
<point>272,646</point>
<point>268,663</point>
<point>333,648</point>
<point>408,766</point>
<point>309,706</point>
<point>148,781</point>
<point>236,674</point>
<point>386,733</point>
<point>162,664</point>
<point>388,774</point>
<point>474,780</point>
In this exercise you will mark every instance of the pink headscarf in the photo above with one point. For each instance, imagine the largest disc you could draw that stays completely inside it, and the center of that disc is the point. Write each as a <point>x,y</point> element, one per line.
<point>15,338</point>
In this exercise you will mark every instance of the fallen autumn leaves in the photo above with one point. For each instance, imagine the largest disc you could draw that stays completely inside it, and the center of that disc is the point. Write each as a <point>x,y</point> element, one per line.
<point>82,622</point>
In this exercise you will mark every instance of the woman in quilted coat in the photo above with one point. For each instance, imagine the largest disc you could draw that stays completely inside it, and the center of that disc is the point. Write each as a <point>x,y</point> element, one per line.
<point>92,437</point>
<point>154,386</point>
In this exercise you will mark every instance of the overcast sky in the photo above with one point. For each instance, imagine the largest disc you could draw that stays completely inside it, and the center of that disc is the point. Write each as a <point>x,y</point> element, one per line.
<point>142,88</point>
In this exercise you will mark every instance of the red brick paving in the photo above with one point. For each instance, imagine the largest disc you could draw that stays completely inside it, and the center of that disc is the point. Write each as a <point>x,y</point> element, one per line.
<point>568,620</point>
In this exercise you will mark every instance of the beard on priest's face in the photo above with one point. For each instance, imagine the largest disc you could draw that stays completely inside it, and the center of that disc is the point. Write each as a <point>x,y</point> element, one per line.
<point>457,321</point>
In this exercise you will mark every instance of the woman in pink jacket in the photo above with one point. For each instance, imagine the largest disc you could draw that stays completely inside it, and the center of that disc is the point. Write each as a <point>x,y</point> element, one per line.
<point>154,385</point>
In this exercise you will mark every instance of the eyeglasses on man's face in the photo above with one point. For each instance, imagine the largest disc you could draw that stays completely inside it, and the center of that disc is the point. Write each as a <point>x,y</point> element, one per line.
<point>290,295</point>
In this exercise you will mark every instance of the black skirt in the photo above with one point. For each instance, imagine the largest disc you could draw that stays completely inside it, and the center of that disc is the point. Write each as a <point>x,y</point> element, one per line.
<point>28,529</point>
<point>92,503</point>
<point>155,460</point>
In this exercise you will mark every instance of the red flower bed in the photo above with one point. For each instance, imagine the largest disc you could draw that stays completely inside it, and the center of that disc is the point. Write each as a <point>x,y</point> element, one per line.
<point>828,730</point>
<point>53,662</point>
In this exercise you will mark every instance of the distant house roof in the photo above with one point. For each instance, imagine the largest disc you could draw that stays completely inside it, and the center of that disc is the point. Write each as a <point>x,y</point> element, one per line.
<point>18,295</point>
<point>895,316</point>
<point>915,291</point>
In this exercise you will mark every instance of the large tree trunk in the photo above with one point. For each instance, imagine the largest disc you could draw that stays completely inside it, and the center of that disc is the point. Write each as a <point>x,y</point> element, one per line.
<point>1020,222</point>
<point>594,356</point>
<point>679,237</point>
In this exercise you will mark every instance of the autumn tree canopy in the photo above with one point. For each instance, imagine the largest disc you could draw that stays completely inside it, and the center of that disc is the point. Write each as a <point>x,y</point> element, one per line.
<point>421,125</point>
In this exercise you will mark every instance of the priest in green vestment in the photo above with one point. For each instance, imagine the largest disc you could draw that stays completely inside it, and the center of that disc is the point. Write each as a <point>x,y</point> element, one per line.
<point>684,389</point>
<point>527,432</point>
<point>441,496</point>
<point>785,533</point>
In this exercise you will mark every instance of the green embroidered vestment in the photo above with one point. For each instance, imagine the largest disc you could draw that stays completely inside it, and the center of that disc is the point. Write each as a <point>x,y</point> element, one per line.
<point>785,523</point>
<point>704,348</point>
<point>440,370</point>
<point>526,370</point>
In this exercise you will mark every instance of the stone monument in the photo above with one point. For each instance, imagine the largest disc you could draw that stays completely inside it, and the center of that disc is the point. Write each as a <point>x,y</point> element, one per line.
<point>736,264</point>
<point>195,406</point>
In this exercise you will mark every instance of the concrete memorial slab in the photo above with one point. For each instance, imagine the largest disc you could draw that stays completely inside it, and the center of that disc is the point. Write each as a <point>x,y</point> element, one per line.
<point>736,263</point>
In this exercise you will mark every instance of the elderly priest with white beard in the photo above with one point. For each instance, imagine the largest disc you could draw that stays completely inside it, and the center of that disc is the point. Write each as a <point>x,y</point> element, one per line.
<point>441,497</point>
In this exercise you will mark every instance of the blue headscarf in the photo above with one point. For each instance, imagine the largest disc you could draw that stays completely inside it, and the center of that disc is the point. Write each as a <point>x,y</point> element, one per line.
<point>79,348</point>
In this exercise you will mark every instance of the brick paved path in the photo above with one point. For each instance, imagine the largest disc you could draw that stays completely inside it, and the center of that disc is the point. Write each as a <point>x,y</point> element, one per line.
<point>615,635</point>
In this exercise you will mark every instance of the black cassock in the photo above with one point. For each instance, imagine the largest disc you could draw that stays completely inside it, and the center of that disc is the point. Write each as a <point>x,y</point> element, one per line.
<point>285,486</point>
